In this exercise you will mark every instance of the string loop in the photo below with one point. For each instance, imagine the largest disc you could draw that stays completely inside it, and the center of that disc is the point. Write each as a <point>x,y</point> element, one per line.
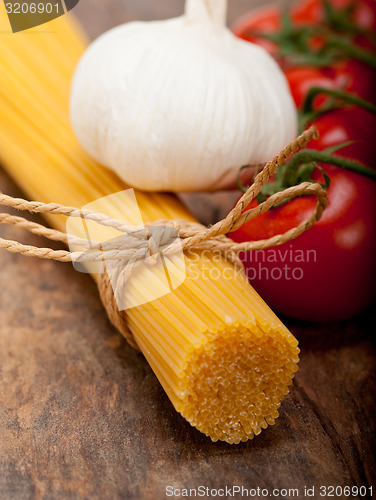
<point>134,246</point>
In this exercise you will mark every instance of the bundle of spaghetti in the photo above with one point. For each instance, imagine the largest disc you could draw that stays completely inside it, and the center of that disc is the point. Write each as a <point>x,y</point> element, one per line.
<point>223,357</point>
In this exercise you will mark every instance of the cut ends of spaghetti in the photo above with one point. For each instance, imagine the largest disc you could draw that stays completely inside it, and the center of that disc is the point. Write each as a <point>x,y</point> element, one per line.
<point>235,382</point>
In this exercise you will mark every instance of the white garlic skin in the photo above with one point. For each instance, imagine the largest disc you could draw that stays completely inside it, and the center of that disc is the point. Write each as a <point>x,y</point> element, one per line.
<point>169,105</point>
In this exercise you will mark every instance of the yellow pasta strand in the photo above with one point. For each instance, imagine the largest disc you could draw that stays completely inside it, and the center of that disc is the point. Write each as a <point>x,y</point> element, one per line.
<point>223,357</point>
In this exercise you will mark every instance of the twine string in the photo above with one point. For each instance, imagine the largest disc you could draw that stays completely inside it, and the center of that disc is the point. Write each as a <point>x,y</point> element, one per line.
<point>136,244</point>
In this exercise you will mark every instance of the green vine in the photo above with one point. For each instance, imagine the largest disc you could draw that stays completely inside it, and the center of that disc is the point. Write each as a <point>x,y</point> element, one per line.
<point>337,33</point>
<point>339,98</point>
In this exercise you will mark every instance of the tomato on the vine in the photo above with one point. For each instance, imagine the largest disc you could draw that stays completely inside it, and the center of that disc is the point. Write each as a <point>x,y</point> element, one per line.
<point>363,13</point>
<point>301,79</point>
<point>348,124</point>
<point>306,32</point>
<point>327,273</point>
<point>359,14</point>
<point>353,76</point>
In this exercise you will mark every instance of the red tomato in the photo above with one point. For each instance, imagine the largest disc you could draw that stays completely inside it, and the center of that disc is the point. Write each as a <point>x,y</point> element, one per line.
<point>307,12</point>
<point>261,20</point>
<point>351,76</point>
<point>355,77</point>
<point>327,273</point>
<point>313,12</point>
<point>302,79</point>
<point>348,124</point>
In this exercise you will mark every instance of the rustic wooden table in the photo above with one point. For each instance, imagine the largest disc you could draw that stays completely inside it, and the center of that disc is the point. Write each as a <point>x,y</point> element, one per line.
<point>83,416</point>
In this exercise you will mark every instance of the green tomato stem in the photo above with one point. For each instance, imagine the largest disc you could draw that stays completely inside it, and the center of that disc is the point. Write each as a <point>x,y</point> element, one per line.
<point>354,51</point>
<point>340,94</point>
<point>311,155</point>
<point>308,115</point>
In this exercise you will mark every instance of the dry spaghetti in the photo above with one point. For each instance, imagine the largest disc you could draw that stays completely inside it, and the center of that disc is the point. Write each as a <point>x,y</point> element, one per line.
<point>223,357</point>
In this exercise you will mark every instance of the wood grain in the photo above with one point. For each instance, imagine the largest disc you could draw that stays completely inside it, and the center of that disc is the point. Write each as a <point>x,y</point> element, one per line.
<point>82,415</point>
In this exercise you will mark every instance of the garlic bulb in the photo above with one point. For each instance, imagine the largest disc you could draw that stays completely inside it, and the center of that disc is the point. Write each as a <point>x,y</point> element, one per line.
<point>180,104</point>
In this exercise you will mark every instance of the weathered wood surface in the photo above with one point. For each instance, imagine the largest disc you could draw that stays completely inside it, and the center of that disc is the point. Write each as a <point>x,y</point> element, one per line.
<point>83,416</point>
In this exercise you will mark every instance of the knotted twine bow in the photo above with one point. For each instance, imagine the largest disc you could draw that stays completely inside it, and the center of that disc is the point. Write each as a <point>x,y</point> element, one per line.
<point>134,246</point>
